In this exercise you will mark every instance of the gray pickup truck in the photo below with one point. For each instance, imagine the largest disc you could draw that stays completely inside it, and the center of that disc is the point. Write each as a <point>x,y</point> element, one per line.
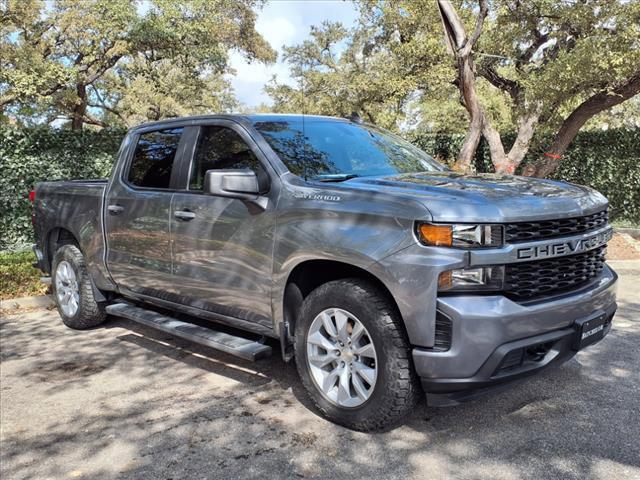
<point>381,272</point>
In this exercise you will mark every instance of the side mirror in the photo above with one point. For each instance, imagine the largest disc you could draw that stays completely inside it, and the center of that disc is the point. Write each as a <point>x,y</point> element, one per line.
<point>232,183</point>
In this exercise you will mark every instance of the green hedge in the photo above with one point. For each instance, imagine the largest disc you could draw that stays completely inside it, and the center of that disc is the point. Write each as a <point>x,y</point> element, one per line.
<point>28,156</point>
<point>608,161</point>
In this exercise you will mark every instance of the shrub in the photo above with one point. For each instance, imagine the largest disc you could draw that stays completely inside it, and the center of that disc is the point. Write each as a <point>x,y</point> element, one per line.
<point>28,156</point>
<point>17,277</point>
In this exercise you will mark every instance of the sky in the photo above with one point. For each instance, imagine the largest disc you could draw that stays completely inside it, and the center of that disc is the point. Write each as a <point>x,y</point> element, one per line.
<point>283,22</point>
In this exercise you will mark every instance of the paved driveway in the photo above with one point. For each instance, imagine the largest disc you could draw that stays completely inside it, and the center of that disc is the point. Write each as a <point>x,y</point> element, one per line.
<point>124,401</point>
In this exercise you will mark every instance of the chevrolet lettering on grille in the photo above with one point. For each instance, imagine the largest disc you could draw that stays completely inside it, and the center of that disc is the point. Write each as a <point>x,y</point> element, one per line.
<point>566,247</point>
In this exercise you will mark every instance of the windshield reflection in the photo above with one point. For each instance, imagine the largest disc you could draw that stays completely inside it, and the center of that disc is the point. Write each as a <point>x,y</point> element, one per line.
<point>313,147</point>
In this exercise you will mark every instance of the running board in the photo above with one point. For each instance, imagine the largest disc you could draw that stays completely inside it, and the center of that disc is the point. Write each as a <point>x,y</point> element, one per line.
<point>231,344</point>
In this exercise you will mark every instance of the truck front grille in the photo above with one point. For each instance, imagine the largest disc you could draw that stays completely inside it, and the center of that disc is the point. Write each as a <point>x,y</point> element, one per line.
<point>527,280</point>
<point>529,231</point>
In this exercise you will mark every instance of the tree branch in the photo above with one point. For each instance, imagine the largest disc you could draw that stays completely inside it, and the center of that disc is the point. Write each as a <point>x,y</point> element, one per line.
<point>477,31</point>
<point>595,104</point>
<point>494,78</point>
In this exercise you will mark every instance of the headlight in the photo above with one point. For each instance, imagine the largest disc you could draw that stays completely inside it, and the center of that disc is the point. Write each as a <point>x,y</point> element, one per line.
<point>460,236</point>
<point>481,278</point>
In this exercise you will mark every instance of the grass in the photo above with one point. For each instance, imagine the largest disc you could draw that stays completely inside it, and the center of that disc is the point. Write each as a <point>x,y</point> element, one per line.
<point>17,277</point>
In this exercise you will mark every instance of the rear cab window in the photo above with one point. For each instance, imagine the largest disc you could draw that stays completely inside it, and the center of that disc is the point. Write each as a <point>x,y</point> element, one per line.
<point>153,159</point>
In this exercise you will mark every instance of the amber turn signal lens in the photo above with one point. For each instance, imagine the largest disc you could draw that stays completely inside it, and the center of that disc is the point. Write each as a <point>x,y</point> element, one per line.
<point>437,235</point>
<point>445,280</point>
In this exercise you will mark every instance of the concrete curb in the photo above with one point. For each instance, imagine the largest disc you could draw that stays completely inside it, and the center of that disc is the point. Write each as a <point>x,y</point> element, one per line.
<point>632,232</point>
<point>39,301</point>
<point>625,267</point>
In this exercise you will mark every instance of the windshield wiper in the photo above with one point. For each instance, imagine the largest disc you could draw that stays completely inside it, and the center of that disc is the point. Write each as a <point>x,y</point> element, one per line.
<point>335,177</point>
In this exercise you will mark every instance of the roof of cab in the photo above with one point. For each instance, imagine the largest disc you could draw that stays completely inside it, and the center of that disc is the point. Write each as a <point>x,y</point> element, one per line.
<point>251,118</point>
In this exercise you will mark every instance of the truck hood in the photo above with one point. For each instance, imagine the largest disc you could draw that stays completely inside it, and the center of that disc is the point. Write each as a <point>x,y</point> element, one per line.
<point>454,197</point>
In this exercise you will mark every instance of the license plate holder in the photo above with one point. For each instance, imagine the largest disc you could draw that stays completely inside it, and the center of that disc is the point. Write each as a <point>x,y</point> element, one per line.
<point>589,330</point>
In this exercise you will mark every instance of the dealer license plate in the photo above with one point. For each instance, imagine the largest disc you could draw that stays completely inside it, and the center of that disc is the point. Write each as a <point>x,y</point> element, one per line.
<point>590,330</point>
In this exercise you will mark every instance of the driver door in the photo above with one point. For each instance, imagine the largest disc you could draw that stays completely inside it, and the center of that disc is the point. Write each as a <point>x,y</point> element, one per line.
<point>222,247</point>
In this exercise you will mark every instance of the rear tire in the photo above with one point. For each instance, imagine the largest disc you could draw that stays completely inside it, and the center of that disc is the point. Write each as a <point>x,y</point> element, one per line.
<point>388,389</point>
<point>73,291</point>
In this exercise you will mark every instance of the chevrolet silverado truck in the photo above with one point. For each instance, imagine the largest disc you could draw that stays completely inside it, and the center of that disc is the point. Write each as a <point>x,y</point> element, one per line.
<point>381,272</point>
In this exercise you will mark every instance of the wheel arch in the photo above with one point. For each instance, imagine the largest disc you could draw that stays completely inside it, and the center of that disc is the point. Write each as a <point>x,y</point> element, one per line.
<point>307,276</point>
<point>56,238</point>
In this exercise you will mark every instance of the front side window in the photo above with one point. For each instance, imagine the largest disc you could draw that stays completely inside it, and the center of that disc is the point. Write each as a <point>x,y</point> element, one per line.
<point>152,161</point>
<point>221,148</point>
<point>317,147</point>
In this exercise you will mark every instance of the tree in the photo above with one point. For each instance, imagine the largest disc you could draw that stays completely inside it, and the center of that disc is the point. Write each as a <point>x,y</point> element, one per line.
<point>560,63</point>
<point>521,69</point>
<point>339,71</point>
<point>100,60</point>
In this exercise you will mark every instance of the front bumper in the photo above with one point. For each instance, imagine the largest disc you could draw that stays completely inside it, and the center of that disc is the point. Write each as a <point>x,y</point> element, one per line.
<point>489,332</point>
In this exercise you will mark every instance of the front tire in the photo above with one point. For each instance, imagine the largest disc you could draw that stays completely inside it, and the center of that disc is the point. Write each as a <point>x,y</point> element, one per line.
<point>72,290</point>
<point>353,356</point>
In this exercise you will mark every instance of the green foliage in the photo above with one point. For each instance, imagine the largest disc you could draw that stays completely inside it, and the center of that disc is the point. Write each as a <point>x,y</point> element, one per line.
<point>117,62</point>
<point>18,278</point>
<point>28,156</point>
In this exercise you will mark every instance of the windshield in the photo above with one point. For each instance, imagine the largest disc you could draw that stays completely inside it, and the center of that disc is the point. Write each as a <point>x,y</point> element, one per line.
<point>325,147</point>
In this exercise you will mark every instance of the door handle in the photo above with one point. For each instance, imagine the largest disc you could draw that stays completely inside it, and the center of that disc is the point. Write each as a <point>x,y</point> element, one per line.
<point>115,209</point>
<point>185,215</point>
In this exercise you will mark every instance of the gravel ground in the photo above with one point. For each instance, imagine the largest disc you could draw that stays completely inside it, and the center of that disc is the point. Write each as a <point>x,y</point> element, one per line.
<point>124,401</point>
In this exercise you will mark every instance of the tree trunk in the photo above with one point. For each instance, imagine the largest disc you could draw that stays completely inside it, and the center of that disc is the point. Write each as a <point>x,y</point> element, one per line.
<point>461,47</point>
<point>508,162</point>
<point>476,115</point>
<point>80,108</point>
<point>571,126</point>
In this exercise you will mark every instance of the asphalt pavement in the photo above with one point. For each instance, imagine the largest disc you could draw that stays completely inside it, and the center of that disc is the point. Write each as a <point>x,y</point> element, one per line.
<point>124,401</point>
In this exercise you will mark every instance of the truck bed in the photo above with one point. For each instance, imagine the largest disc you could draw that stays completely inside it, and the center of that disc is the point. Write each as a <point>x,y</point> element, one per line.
<point>74,206</point>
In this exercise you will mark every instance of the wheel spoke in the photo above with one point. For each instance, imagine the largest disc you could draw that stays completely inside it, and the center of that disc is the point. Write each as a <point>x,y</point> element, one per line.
<point>366,351</point>
<point>66,297</point>
<point>367,373</point>
<point>328,324</point>
<point>65,273</point>
<point>356,333</point>
<point>322,360</point>
<point>344,390</point>
<point>330,380</point>
<point>342,321</point>
<point>359,387</point>
<point>320,340</point>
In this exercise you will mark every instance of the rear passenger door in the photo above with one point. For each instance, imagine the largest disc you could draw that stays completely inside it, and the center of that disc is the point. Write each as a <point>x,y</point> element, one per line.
<point>222,247</point>
<point>137,212</point>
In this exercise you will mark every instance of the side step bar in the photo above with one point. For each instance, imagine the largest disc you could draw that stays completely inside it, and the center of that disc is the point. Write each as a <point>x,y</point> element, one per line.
<point>231,344</point>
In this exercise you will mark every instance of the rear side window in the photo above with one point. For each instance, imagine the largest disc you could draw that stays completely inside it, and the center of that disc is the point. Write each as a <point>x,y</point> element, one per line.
<point>221,148</point>
<point>153,159</point>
